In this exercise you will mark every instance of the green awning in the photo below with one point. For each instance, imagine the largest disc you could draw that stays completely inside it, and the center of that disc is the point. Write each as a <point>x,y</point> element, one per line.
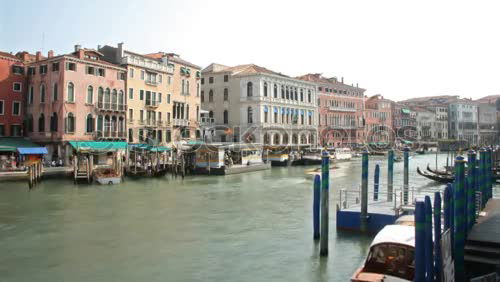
<point>160,149</point>
<point>405,111</point>
<point>10,144</point>
<point>195,142</point>
<point>98,145</point>
<point>407,142</point>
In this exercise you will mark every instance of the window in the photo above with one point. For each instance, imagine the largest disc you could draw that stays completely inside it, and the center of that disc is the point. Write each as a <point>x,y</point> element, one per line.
<point>53,122</point>
<point>197,90</point>
<point>41,123</point>
<point>31,71</point>
<point>71,92</point>
<point>250,115</point>
<point>141,115</point>
<point>90,70</point>
<point>55,66</point>
<point>70,123</point>
<point>131,93</point>
<point>187,87</point>
<point>301,95</point>
<point>226,78</point>
<point>107,99</point>
<point>168,98</point>
<point>265,89</point>
<point>143,73</point>
<point>211,80</point>
<point>282,92</point>
<point>160,78</point>
<point>275,91</point>
<point>202,80</point>
<point>211,114</point>
<point>100,72</point>
<point>202,98</point>
<point>249,89</point>
<point>29,123</point>
<point>141,95</point>
<point>2,111</point>
<point>211,96</point>
<point>89,124</point>
<point>30,95</point>
<point>15,130</point>
<point>54,92</point>
<point>131,114</point>
<point>42,93</point>
<point>226,94</point>
<point>120,75</point>
<point>16,108</point>
<point>43,69</point>
<point>168,136</point>
<point>2,130</point>
<point>90,95</point>
<point>17,70</point>
<point>130,135</point>
<point>169,80</point>
<point>309,97</point>
<point>17,87</point>
<point>226,117</point>
<point>131,73</point>
<point>70,66</point>
<point>159,98</point>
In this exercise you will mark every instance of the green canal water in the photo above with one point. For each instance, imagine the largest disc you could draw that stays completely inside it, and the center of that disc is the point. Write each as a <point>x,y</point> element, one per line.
<point>248,227</point>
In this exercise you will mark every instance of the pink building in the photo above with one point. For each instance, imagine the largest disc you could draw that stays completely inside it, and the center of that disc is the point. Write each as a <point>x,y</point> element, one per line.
<point>12,87</point>
<point>340,111</point>
<point>71,97</point>
<point>378,120</point>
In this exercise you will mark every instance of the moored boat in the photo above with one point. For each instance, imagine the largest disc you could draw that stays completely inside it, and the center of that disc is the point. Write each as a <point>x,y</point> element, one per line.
<point>438,178</point>
<point>341,154</point>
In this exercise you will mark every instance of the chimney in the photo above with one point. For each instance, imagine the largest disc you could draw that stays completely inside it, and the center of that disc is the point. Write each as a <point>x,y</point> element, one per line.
<point>81,53</point>
<point>78,47</point>
<point>38,56</point>
<point>357,86</point>
<point>342,80</point>
<point>119,52</point>
<point>50,54</point>
<point>98,47</point>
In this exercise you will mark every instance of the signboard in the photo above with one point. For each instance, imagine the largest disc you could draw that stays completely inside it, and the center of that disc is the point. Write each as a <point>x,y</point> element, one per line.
<point>448,266</point>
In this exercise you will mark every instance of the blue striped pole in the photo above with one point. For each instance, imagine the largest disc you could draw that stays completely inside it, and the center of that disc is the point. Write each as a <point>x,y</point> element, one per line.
<point>483,176</point>
<point>447,206</point>
<point>405,176</point>
<point>459,217</point>
<point>390,175</point>
<point>376,182</point>
<point>325,179</point>
<point>316,204</point>
<point>490,174</point>
<point>437,236</point>
<point>428,250</point>
<point>471,189</point>
<point>419,241</point>
<point>364,192</point>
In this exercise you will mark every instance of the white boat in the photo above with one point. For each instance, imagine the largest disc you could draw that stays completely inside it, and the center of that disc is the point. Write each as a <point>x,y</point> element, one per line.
<point>107,176</point>
<point>341,154</point>
<point>391,256</point>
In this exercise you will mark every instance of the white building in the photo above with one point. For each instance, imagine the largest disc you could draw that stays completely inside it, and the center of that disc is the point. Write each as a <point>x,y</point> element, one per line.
<point>426,124</point>
<point>250,103</point>
<point>463,121</point>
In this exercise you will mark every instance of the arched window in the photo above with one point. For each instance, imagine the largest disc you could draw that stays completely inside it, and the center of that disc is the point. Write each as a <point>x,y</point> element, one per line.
<point>282,92</point>
<point>287,92</point>
<point>187,87</point>
<point>42,93</point>
<point>265,89</point>
<point>114,99</point>
<point>41,123</point>
<point>100,97</point>
<point>202,96</point>
<point>100,125</point>
<point>285,138</point>
<point>226,117</point>
<point>303,139</point>
<point>295,139</point>
<point>249,89</point>
<point>226,94</point>
<point>55,91</point>
<point>250,115</point>
<point>90,95</point>
<point>70,123</point>
<point>121,101</point>
<point>275,91</point>
<point>276,138</point>
<point>301,95</point>
<point>211,114</point>
<point>266,139</point>
<point>211,96</point>
<point>71,92</point>
<point>107,99</point>
<point>53,122</point>
<point>89,124</point>
<point>309,98</point>
<point>30,95</point>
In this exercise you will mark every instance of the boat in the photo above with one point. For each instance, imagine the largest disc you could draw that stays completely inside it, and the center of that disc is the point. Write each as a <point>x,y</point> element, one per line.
<point>420,151</point>
<point>276,155</point>
<point>438,172</point>
<point>306,157</point>
<point>341,154</point>
<point>438,178</point>
<point>391,256</point>
<point>107,176</point>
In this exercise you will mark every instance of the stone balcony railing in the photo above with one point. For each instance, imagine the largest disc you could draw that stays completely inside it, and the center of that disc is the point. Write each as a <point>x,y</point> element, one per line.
<point>340,109</point>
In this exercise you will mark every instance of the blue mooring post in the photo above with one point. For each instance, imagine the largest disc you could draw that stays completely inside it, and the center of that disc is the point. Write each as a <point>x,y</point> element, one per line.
<point>376,181</point>
<point>471,189</point>
<point>437,236</point>
<point>364,192</point>
<point>405,176</point>
<point>490,174</point>
<point>446,206</point>
<point>482,176</point>
<point>429,257</point>
<point>459,217</point>
<point>316,202</point>
<point>390,175</point>
<point>325,179</point>
<point>419,241</point>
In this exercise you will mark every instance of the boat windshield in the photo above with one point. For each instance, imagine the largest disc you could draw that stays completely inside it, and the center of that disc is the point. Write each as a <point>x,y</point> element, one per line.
<point>391,259</point>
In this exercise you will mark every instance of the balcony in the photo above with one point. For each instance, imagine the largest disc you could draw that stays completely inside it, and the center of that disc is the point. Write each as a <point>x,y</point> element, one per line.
<point>112,134</point>
<point>151,82</point>
<point>152,104</point>
<point>180,122</point>
<point>340,109</point>
<point>111,107</point>
<point>207,121</point>
<point>151,123</point>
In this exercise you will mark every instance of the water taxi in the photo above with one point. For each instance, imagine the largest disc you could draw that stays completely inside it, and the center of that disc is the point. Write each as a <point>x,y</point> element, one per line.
<point>391,256</point>
<point>341,154</point>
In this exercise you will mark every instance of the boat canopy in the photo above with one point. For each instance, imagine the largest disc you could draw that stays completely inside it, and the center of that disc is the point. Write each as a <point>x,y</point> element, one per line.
<point>405,111</point>
<point>397,234</point>
<point>98,145</point>
<point>11,144</point>
<point>146,147</point>
<point>407,142</point>
<point>32,151</point>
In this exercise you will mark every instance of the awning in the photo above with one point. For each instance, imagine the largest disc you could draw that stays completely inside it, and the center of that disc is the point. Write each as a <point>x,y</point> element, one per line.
<point>195,142</point>
<point>98,145</point>
<point>32,151</point>
<point>11,144</point>
<point>405,111</point>
<point>275,109</point>
<point>407,142</point>
<point>160,149</point>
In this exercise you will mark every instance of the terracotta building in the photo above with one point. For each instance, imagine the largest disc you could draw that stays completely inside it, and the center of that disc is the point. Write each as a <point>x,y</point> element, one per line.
<point>340,108</point>
<point>12,89</point>
<point>75,96</point>
<point>378,120</point>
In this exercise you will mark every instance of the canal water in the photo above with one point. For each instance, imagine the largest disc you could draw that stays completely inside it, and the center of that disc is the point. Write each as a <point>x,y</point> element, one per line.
<point>248,227</point>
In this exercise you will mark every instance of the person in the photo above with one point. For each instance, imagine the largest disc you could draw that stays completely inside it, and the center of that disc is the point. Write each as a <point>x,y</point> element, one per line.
<point>60,162</point>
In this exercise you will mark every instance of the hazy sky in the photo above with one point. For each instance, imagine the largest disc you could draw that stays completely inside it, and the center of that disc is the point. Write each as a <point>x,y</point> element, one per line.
<point>400,48</point>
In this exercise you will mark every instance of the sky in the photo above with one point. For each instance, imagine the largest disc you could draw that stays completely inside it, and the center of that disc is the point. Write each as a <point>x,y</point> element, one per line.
<point>400,49</point>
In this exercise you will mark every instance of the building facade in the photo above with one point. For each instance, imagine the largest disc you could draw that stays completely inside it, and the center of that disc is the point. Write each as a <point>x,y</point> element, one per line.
<point>426,124</point>
<point>340,111</point>
<point>12,89</point>
<point>488,131</point>
<point>76,96</point>
<point>404,122</point>
<point>463,121</point>
<point>252,104</point>
<point>378,120</point>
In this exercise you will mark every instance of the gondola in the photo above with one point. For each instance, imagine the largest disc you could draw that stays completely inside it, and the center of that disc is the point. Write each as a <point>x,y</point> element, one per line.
<point>438,172</point>
<point>438,178</point>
